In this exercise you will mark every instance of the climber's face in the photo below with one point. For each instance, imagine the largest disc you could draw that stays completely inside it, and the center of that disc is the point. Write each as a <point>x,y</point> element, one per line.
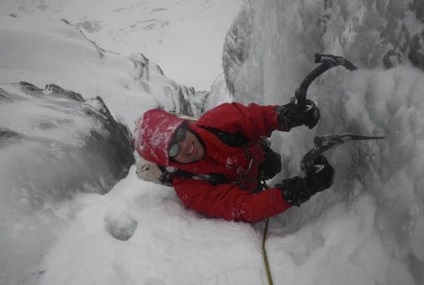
<point>186,147</point>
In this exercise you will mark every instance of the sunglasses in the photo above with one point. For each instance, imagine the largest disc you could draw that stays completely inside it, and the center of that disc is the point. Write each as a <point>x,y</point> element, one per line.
<point>179,136</point>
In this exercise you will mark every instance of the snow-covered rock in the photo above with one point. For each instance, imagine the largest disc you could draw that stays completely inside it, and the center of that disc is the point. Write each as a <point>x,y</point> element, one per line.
<point>370,33</point>
<point>238,44</point>
<point>53,144</point>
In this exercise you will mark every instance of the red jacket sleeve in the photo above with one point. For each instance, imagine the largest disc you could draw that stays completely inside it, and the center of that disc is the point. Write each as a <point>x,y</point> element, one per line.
<point>229,201</point>
<point>253,121</point>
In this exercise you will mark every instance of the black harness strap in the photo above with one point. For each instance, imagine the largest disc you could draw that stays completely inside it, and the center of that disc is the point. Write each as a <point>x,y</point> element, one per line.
<point>233,140</point>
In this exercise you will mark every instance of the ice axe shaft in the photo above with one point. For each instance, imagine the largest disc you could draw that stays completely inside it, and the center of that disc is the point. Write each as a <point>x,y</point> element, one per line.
<point>327,61</point>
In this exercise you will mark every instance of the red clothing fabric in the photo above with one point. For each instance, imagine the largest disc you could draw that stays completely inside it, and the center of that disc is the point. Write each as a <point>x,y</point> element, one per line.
<point>234,201</point>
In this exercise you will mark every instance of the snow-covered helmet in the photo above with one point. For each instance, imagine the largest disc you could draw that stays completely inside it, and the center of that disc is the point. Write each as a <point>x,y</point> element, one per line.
<point>153,135</point>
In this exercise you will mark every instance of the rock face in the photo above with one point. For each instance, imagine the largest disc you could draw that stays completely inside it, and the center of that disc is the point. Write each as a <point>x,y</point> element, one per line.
<point>63,127</point>
<point>371,33</point>
<point>169,95</point>
<point>238,44</point>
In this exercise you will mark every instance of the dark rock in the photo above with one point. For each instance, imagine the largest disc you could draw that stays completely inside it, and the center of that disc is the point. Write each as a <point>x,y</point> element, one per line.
<point>99,153</point>
<point>55,90</point>
<point>5,96</point>
<point>8,136</point>
<point>31,89</point>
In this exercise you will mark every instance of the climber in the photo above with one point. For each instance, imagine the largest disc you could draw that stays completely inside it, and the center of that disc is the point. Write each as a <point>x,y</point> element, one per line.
<point>220,161</point>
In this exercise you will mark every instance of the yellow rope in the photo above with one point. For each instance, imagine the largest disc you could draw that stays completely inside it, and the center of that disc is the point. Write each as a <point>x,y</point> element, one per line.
<point>265,255</point>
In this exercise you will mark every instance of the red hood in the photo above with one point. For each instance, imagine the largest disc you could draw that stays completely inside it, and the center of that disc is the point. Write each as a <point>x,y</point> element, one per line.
<point>153,134</point>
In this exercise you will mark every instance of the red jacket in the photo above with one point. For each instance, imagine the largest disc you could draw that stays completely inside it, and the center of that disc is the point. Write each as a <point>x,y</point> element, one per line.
<point>234,201</point>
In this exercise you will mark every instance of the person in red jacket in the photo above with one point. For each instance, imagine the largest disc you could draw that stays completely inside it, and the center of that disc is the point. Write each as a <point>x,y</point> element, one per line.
<point>190,146</point>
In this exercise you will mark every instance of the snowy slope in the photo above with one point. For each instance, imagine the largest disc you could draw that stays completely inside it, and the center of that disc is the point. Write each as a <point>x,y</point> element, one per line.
<point>367,229</point>
<point>184,37</point>
<point>41,48</point>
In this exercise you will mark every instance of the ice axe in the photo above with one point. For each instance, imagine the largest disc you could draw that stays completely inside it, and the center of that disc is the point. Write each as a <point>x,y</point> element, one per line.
<point>324,143</point>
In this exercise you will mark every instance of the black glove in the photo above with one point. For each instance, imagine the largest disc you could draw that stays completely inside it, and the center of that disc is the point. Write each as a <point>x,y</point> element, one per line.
<point>298,190</point>
<point>290,115</point>
<point>320,176</point>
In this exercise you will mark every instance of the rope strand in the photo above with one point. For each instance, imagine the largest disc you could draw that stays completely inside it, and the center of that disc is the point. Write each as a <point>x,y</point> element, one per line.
<point>265,255</point>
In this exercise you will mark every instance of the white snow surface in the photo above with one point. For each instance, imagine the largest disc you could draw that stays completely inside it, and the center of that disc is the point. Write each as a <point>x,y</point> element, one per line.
<point>368,228</point>
<point>176,34</point>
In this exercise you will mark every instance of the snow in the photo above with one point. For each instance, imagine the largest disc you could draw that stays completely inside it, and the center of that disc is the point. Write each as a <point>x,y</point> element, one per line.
<point>366,229</point>
<point>170,245</point>
<point>178,34</point>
